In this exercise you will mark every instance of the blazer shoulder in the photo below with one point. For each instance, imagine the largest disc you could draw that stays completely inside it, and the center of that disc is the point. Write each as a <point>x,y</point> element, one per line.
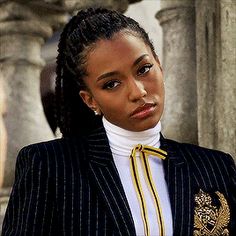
<point>54,144</point>
<point>53,150</point>
<point>205,152</point>
<point>208,166</point>
<point>192,152</point>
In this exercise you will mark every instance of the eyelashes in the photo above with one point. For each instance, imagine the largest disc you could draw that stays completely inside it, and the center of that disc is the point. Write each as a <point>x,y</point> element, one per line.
<point>114,83</point>
<point>111,84</point>
<point>144,69</point>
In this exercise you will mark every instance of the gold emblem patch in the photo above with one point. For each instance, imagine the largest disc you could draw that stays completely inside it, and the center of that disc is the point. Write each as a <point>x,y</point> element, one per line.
<point>209,219</point>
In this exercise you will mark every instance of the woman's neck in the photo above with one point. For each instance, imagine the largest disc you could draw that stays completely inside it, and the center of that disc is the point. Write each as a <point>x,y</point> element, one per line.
<point>122,141</point>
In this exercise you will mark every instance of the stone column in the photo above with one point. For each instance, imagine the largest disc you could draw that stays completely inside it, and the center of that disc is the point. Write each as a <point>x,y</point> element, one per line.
<point>24,28</point>
<point>3,133</point>
<point>177,18</point>
<point>216,73</point>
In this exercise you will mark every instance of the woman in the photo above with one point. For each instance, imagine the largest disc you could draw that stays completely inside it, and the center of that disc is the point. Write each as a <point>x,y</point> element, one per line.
<point>113,173</point>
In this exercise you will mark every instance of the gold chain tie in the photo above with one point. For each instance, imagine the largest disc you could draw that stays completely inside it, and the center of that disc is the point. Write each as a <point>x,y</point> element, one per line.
<point>144,152</point>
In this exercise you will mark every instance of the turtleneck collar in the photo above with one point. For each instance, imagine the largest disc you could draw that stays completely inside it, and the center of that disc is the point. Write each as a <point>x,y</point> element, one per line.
<point>122,141</point>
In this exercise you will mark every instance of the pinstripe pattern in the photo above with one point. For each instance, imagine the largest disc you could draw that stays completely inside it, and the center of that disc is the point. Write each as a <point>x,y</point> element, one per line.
<point>190,168</point>
<point>72,187</point>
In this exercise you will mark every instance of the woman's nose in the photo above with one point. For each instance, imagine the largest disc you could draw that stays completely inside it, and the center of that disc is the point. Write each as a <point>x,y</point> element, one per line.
<point>136,90</point>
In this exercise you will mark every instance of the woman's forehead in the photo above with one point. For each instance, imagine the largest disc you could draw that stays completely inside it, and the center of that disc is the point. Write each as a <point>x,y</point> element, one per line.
<point>118,47</point>
<point>110,54</point>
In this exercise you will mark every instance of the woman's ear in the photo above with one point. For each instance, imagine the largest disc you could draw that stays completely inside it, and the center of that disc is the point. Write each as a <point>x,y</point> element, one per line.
<point>88,99</point>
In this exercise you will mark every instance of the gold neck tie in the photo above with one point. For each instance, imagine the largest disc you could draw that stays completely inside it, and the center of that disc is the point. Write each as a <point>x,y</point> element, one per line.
<point>144,152</point>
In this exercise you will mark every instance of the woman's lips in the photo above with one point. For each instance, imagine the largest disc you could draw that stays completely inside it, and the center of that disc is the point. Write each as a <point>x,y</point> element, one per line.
<point>143,111</point>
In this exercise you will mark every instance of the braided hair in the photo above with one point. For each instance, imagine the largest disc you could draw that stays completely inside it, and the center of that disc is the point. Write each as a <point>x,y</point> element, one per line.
<point>78,37</point>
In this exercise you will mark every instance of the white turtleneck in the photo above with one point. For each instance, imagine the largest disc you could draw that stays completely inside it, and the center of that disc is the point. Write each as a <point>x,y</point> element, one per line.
<point>121,143</point>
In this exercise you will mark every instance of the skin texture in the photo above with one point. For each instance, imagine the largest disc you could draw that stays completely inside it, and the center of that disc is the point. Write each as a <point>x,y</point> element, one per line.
<point>123,76</point>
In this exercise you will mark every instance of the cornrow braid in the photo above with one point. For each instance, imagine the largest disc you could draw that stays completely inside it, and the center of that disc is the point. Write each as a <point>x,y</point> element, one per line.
<point>78,37</point>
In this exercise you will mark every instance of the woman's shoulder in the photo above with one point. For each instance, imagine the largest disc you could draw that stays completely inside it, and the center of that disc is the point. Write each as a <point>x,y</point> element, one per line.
<point>51,144</point>
<point>195,152</point>
<point>66,146</point>
<point>53,150</point>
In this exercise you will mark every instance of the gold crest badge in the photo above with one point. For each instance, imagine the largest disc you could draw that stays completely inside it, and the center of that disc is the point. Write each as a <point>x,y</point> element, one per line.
<point>210,219</point>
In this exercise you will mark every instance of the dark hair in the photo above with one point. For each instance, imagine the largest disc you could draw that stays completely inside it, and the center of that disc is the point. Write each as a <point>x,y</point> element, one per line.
<point>78,37</point>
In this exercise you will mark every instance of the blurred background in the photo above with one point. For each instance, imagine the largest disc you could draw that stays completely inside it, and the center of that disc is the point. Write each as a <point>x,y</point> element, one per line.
<point>194,39</point>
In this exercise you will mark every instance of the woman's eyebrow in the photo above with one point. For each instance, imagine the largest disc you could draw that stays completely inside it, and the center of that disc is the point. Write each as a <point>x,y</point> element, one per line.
<point>112,73</point>
<point>106,75</point>
<point>139,59</point>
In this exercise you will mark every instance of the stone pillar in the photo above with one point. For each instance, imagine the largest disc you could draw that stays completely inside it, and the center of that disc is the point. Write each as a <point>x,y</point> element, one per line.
<point>3,153</point>
<point>216,73</point>
<point>3,133</point>
<point>23,31</point>
<point>177,18</point>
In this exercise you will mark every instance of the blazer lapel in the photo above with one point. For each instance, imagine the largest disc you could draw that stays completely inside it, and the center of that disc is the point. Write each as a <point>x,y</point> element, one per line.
<point>180,185</point>
<point>104,175</point>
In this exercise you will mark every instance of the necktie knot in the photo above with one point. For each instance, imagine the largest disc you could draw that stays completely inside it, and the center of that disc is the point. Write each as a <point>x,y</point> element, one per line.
<point>149,150</point>
<point>139,147</point>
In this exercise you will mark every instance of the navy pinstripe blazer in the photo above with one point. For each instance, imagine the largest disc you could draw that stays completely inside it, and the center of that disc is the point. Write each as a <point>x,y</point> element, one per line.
<point>71,186</point>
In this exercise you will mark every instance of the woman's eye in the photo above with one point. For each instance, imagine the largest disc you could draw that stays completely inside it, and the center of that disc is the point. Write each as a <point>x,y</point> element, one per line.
<point>146,68</point>
<point>111,84</point>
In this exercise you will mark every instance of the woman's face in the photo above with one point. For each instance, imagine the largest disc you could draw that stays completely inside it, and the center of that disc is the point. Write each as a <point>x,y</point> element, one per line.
<point>125,82</point>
